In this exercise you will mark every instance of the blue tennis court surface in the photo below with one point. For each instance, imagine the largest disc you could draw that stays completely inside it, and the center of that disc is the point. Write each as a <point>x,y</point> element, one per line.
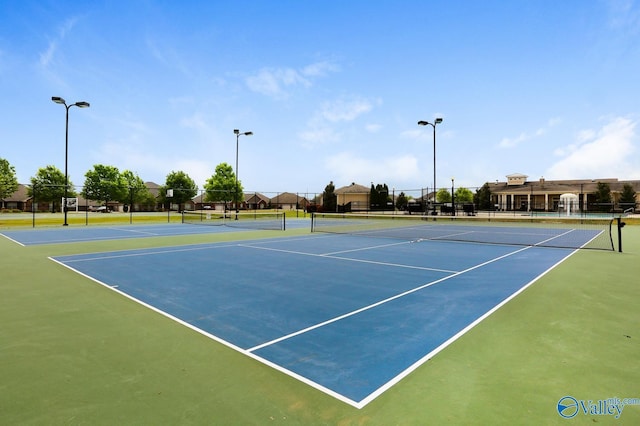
<point>348,315</point>
<point>74,234</point>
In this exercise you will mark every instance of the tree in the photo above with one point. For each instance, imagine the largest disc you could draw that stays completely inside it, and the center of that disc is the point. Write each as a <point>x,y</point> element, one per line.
<point>137,191</point>
<point>8,180</point>
<point>482,197</point>
<point>329,198</point>
<point>443,196</point>
<point>378,197</point>
<point>222,185</point>
<point>48,186</point>
<point>183,187</point>
<point>402,201</point>
<point>628,197</point>
<point>463,195</point>
<point>104,183</point>
<point>603,197</point>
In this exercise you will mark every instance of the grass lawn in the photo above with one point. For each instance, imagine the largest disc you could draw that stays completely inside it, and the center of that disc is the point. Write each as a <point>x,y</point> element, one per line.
<point>73,352</point>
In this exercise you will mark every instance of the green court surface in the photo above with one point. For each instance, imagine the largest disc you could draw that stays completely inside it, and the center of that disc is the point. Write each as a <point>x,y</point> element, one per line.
<point>74,352</point>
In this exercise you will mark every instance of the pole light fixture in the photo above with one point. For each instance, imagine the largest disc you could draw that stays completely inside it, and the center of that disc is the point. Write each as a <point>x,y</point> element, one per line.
<point>238,133</point>
<point>80,104</point>
<point>426,123</point>
<point>453,199</point>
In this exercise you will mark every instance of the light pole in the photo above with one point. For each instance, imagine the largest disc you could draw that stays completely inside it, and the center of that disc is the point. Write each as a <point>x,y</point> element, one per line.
<point>238,133</point>
<point>453,200</point>
<point>80,104</point>
<point>426,123</point>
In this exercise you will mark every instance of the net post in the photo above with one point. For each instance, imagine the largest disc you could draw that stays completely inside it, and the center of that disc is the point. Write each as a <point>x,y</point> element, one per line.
<point>620,224</point>
<point>183,216</point>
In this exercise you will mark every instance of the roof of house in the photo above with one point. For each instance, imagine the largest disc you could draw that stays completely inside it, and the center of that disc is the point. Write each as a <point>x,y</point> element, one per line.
<point>253,196</point>
<point>561,186</point>
<point>287,198</point>
<point>21,194</point>
<point>354,188</point>
<point>153,188</point>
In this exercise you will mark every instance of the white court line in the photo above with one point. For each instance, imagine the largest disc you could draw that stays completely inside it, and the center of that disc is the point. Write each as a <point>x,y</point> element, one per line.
<point>557,236</point>
<point>381,302</point>
<point>453,338</point>
<point>144,252</point>
<point>250,352</point>
<point>135,231</point>
<point>349,259</point>
<point>11,239</point>
<point>161,250</point>
<point>271,364</point>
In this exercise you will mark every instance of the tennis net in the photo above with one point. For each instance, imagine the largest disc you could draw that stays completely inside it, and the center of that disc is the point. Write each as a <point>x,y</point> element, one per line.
<point>254,220</point>
<point>597,233</point>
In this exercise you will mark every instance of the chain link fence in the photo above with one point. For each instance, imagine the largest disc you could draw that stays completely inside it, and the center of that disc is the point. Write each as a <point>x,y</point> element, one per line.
<point>532,198</point>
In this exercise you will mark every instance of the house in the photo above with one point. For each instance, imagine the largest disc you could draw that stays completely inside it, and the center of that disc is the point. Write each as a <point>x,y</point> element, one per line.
<point>289,201</point>
<point>22,201</point>
<point>517,193</point>
<point>251,201</point>
<point>19,200</point>
<point>353,197</point>
<point>256,201</point>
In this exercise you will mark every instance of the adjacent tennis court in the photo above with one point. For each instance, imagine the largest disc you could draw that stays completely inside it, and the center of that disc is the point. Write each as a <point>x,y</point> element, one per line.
<point>348,314</point>
<point>191,225</point>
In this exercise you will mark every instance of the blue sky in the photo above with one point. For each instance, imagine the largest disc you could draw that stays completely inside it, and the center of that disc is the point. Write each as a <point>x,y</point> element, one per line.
<point>332,90</point>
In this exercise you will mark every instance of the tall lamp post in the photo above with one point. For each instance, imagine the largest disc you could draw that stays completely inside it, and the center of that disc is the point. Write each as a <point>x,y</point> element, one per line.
<point>426,123</point>
<point>238,133</point>
<point>80,104</point>
<point>453,199</point>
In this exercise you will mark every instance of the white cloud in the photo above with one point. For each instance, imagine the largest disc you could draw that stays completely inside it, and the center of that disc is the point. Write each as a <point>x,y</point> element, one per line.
<point>318,135</point>
<point>169,56</point>
<point>346,167</point>
<point>510,142</point>
<point>605,153</point>
<point>416,134</point>
<point>276,82</point>
<point>198,170</point>
<point>372,128</point>
<point>272,82</point>
<point>346,109</point>
<point>150,165</point>
<point>320,128</point>
<point>624,16</point>
<point>47,56</point>
<point>196,121</point>
<point>320,69</point>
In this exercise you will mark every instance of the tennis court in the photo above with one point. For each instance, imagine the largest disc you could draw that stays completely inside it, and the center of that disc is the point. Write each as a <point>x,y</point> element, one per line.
<point>192,224</point>
<point>350,315</point>
<point>78,352</point>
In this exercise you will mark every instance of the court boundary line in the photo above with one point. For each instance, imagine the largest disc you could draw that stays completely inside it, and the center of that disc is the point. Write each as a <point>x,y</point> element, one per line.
<point>215,338</point>
<point>251,351</point>
<point>143,251</point>
<point>459,334</point>
<point>12,240</point>
<point>383,301</point>
<point>348,259</point>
